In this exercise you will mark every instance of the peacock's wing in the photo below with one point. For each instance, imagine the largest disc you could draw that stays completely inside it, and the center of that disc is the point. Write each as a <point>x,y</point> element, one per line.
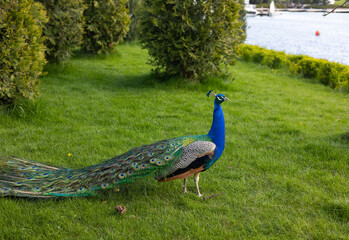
<point>194,158</point>
<point>30,179</point>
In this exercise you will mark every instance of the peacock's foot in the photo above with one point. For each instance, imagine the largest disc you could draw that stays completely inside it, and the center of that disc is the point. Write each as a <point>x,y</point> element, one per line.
<point>196,181</point>
<point>185,186</point>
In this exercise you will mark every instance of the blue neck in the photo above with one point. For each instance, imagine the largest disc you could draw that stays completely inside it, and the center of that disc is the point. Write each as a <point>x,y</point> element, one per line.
<point>217,132</point>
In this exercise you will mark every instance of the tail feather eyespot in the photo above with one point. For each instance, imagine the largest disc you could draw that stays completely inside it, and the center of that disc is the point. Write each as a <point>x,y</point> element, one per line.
<point>153,160</point>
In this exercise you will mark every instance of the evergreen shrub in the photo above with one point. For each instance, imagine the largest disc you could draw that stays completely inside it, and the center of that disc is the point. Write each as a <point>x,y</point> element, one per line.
<point>191,38</point>
<point>107,23</point>
<point>22,52</point>
<point>64,29</point>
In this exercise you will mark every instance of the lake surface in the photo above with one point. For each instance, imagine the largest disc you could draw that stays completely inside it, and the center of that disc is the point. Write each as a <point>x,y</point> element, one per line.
<point>295,33</point>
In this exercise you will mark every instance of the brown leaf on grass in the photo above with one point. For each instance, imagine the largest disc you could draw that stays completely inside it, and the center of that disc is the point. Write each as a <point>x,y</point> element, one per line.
<point>121,209</point>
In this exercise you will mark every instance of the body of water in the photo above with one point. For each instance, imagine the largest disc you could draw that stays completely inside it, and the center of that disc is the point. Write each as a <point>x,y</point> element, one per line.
<point>295,33</point>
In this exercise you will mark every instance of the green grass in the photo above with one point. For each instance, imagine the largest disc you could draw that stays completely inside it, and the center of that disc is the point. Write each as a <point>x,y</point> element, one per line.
<point>284,173</point>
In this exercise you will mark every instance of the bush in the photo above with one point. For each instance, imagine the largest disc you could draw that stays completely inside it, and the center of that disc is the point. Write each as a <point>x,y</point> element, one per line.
<point>106,25</point>
<point>191,38</point>
<point>22,54</point>
<point>64,29</point>
<point>308,67</point>
<point>274,59</point>
<point>292,63</point>
<point>333,74</point>
<point>258,56</point>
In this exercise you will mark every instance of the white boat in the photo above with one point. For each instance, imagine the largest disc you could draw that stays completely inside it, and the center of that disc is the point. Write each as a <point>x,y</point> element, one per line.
<point>268,12</point>
<point>272,8</point>
<point>250,9</point>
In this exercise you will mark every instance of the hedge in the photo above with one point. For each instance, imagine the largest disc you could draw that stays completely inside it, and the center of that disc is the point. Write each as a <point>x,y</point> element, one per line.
<point>332,74</point>
<point>64,29</point>
<point>22,52</point>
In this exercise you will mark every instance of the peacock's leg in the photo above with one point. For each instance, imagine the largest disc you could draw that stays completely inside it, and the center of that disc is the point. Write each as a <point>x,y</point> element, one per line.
<point>196,181</point>
<point>185,186</point>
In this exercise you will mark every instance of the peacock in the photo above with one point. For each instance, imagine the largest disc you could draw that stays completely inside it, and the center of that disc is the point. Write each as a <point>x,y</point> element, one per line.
<point>167,160</point>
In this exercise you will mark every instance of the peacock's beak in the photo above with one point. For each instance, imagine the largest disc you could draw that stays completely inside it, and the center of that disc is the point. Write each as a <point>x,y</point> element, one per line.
<point>226,99</point>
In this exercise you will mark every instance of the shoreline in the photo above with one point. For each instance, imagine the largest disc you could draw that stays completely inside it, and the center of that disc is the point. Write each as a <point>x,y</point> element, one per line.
<point>338,10</point>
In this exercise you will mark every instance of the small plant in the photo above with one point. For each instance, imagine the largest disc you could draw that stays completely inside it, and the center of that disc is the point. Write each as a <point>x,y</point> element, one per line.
<point>22,54</point>
<point>107,23</point>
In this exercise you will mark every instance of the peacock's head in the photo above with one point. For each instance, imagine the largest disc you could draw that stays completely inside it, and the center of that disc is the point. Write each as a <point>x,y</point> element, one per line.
<point>219,98</point>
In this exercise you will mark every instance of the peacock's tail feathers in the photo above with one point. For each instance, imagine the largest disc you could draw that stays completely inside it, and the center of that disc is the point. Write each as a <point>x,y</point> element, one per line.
<point>32,179</point>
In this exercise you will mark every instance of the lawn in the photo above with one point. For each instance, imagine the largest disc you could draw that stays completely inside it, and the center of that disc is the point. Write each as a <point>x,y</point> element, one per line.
<point>284,173</point>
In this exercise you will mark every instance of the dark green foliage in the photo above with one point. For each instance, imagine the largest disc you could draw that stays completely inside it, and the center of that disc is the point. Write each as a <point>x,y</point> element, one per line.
<point>107,23</point>
<point>22,53</point>
<point>328,73</point>
<point>134,7</point>
<point>191,38</point>
<point>64,29</point>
